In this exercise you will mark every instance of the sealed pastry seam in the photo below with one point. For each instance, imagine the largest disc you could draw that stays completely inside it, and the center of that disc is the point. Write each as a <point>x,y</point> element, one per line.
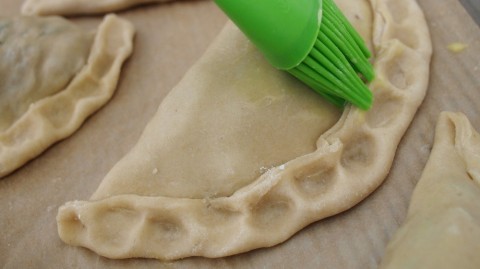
<point>53,118</point>
<point>351,160</point>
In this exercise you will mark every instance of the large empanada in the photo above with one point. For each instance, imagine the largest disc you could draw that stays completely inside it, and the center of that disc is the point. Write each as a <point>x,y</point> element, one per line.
<point>442,228</point>
<point>53,76</point>
<point>236,157</point>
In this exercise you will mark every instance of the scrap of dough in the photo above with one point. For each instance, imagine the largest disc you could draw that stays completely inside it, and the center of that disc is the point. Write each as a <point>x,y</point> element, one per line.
<point>52,89</point>
<point>442,228</point>
<point>77,7</point>
<point>235,159</point>
<point>457,47</point>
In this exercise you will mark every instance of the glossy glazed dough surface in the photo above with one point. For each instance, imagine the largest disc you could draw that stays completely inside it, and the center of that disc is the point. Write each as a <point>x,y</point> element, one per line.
<point>228,121</point>
<point>442,229</point>
<point>55,78</point>
<point>240,156</point>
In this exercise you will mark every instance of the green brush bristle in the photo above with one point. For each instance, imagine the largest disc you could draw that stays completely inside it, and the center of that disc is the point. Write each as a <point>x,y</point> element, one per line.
<point>338,56</point>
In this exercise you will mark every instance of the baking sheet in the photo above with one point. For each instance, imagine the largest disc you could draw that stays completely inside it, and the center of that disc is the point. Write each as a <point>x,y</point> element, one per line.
<point>170,37</point>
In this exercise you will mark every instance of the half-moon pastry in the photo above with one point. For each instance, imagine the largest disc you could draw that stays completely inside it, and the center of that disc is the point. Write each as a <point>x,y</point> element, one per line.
<point>241,156</point>
<point>53,76</point>
<point>442,228</point>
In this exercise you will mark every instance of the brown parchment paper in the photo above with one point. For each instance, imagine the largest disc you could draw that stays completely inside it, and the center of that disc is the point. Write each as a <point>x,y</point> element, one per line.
<point>170,37</point>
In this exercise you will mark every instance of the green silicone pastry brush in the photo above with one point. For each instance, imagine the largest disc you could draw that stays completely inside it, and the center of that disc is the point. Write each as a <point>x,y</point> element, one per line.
<point>312,40</point>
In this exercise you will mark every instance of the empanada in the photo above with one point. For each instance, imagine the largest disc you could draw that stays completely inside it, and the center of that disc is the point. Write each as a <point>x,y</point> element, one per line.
<point>442,228</point>
<point>237,156</point>
<point>53,76</point>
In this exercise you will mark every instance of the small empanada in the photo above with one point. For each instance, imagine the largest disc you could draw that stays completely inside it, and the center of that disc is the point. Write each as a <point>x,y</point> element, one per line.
<point>53,76</point>
<point>442,228</point>
<point>242,156</point>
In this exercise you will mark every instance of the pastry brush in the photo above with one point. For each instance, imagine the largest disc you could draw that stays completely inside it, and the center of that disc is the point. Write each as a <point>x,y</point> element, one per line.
<point>312,40</point>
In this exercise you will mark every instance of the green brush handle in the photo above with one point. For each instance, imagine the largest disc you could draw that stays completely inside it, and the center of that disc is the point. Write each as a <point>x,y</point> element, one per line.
<point>284,31</point>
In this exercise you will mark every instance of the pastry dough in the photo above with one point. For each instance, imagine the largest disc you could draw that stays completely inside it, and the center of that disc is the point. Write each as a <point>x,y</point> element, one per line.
<point>77,7</point>
<point>55,76</point>
<point>235,158</point>
<point>442,228</point>
<point>34,65</point>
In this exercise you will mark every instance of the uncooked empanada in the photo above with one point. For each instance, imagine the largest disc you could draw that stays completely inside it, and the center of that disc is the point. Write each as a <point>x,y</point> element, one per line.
<point>442,228</point>
<point>238,155</point>
<point>53,76</point>
<point>77,7</point>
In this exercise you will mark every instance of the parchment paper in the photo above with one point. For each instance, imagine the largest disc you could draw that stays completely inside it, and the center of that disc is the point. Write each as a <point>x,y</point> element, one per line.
<point>170,37</point>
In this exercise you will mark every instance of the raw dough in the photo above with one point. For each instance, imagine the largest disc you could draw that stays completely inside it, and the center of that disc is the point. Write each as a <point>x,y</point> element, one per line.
<point>442,228</point>
<point>55,76</point>
<point>35,50</point>
<point>235,158</point>
<point>77,7</point>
